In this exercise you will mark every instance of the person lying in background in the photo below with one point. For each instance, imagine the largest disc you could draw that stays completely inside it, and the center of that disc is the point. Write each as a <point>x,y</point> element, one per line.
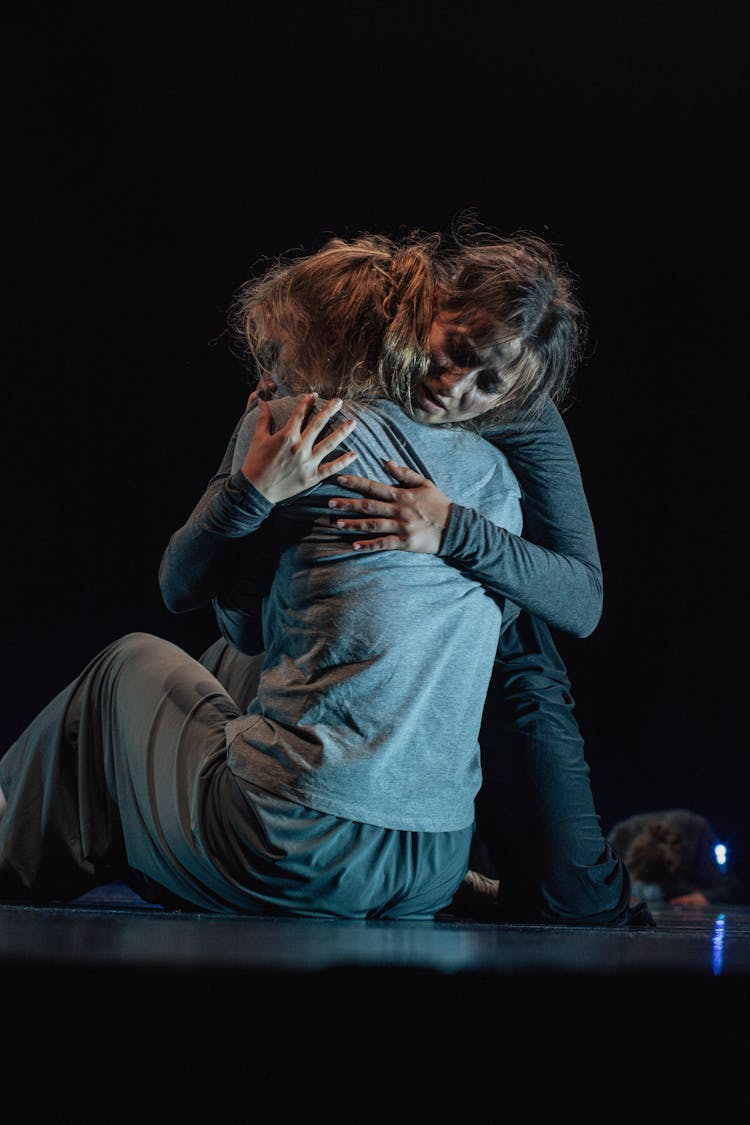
<point>675,856</point>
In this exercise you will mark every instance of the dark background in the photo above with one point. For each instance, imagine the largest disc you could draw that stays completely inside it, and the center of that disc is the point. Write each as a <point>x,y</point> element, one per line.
<point>157,152</point>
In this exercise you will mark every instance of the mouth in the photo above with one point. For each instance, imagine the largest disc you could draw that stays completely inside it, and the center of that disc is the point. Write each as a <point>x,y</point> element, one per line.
<point>428,401</point>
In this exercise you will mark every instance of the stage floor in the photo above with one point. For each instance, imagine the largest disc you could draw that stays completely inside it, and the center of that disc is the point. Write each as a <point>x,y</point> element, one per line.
<point>186,1015</point>
<point>113,928</point>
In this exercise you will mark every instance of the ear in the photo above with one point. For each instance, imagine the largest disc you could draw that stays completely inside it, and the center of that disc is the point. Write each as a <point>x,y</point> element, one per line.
<point>267,387</point>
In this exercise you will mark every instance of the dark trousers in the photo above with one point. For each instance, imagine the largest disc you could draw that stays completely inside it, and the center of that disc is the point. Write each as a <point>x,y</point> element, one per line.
<point>536,819</point>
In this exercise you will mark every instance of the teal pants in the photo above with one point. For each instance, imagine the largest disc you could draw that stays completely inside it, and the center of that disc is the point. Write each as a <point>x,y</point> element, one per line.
<point>124,776</point>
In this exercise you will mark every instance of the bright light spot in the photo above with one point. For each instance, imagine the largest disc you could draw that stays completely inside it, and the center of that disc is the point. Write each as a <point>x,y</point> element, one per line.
<point>717,943</point>
<point>720,852</point>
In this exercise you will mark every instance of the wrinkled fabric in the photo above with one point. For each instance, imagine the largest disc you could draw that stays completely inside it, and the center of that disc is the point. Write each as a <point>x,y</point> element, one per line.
<point>123,776</point>
<point>535,811</point>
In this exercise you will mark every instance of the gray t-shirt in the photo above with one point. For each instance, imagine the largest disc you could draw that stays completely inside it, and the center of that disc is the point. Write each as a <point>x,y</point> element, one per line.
<point>377,664</point>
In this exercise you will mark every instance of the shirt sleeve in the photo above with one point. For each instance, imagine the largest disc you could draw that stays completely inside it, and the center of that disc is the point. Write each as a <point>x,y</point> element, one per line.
<point>201,555</point>
<point>554,571</point>
<point>215,557</point>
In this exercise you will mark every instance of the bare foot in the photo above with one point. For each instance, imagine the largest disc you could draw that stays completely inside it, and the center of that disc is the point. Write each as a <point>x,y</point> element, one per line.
<point>481,884</point>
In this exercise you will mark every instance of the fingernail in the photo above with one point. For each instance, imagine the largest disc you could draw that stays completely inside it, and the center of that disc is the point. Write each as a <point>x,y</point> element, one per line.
<point>343,480</point>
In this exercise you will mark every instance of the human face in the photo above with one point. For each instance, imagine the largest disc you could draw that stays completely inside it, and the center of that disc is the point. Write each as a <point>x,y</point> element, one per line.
<point>465,378</point>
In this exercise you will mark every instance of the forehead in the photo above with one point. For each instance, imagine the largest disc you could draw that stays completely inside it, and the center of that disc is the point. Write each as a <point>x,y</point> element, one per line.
<point>475,343</point>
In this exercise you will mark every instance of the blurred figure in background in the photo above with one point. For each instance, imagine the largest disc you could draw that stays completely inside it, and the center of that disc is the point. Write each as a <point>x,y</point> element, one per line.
<point>675,856</point>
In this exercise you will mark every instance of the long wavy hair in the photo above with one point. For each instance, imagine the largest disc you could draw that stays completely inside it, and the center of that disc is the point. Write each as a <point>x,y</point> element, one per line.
<point>353,319</point>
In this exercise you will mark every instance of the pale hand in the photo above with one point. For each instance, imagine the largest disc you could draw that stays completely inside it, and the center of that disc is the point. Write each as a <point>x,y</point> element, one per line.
<point>289,461</point>
<point>410,516</point>
<point>693,898</point>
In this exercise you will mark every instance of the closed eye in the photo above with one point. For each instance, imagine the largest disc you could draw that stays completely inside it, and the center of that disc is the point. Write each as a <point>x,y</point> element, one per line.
<point>462,355</point>
<point>490,382</point>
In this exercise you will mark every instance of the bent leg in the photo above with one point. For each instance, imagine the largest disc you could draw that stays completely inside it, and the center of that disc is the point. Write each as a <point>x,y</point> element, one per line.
<point>535,811</point>
<point>124,775</point>
<point>237,673</point>
<point>60,833</point>
<point>125,770</point>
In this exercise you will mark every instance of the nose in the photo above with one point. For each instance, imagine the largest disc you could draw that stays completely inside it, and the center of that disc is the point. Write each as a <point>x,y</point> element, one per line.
<point>455,382</point>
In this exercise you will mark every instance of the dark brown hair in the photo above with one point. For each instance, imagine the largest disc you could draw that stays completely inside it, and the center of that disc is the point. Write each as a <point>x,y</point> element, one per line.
<point>655,853</point>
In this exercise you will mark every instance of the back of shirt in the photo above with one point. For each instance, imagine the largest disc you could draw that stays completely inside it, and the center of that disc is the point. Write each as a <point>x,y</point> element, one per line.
<point>377,664</point>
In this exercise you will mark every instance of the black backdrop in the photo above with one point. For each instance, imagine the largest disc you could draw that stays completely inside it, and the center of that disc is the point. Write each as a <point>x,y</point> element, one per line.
<point>156,155</point>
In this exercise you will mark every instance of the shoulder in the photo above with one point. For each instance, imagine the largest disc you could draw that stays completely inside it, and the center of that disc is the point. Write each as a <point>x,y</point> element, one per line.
<point>281,408</point>
<point>543,439</point>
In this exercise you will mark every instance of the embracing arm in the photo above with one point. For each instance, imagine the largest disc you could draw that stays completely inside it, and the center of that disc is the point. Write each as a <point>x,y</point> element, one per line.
<point>222,539</point>
<point>567,587</point>
<point>557,579</point>
<point>548,585</point>
<point>199,554</point>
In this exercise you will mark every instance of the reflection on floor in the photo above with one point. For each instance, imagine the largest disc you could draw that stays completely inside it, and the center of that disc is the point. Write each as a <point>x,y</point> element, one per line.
<point>183,1016</point>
